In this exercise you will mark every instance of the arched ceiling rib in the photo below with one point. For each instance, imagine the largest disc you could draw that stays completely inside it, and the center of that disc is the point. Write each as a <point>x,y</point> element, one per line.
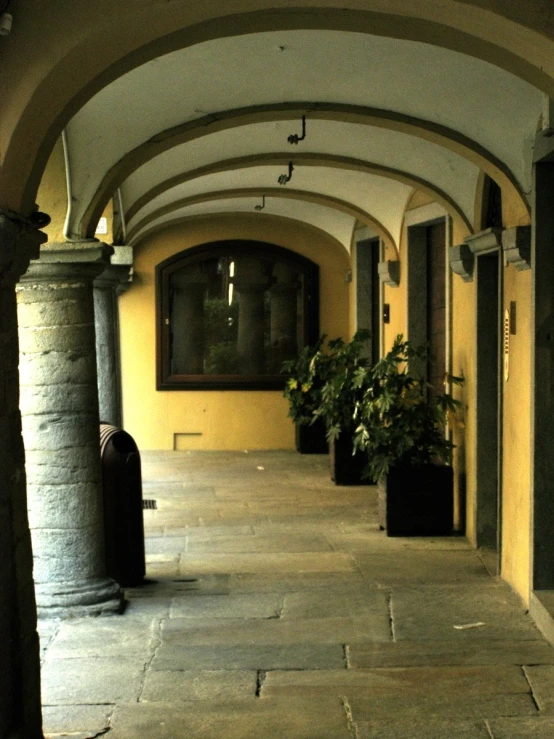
<point>326,218</point>
<point>423,165</point>
<point>438,90</point>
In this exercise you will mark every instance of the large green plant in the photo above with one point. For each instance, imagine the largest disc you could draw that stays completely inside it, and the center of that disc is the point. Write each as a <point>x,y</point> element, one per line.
<point>400,418</point>
<point>346,369</point>
<point>308,373</point>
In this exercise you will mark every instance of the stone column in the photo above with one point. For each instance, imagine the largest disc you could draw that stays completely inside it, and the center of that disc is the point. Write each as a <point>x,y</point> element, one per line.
<point>284,316</point>
<point>59,407</point>
<point>20,711</point>
<point>187,321</point>
<point>251,285</point>
<point>113,280</point>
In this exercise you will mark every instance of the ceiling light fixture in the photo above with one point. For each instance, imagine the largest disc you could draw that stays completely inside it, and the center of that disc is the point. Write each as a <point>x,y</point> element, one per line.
<point>262,206</point>
<point>284,178</point>
<point>294,138</point>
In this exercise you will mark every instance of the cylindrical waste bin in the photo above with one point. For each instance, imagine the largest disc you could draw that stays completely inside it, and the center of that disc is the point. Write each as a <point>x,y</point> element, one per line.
<point>123,521</point>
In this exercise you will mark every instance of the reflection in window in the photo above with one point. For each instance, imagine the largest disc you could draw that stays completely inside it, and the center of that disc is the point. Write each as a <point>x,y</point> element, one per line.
<point>232,313</point>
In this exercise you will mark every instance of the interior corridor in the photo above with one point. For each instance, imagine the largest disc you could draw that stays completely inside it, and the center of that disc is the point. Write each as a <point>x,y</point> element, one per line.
<point>275,607</point>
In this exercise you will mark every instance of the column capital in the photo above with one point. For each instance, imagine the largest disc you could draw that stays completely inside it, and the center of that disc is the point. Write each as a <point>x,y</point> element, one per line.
<point>20,240</point>
<point>69,261</point>
<point>115,276</point>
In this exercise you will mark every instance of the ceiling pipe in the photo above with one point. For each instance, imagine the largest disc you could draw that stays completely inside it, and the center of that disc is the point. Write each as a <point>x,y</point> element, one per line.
<point>67,223</point>
<point>122,216</point>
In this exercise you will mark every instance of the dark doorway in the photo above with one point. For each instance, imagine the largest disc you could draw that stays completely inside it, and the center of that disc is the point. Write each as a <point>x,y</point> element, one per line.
<point>427,295</point>
<point>368,298</point>
<point>436,304</point>
<point>487,506</point>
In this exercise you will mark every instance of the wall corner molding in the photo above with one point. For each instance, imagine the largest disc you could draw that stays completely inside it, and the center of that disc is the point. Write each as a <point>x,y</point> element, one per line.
<point>462,261</point>
<point>516,245</point>
<point>389,272</point>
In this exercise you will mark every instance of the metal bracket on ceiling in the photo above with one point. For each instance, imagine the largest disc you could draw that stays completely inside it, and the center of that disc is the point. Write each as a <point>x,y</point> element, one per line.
<point>284,178</point>
<point>294,138</point>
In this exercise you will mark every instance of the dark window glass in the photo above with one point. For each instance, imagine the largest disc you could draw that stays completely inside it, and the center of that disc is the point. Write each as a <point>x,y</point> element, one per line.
<point>231,312</point>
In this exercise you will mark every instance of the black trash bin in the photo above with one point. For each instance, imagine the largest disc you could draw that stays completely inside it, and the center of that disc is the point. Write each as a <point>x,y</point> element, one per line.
<point>123,522</point>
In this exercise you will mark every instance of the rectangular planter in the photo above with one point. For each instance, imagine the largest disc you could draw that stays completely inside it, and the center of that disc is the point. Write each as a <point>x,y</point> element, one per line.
<point>346,468</point>
<point>417,501</point>
<point>312,439</point>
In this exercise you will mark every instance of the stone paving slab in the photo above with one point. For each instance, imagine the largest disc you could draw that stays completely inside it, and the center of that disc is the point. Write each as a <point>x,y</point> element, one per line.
<point>209,532</point>
<point>422,566</point>
<point>453,683</point>
<point>250,657</point>
<point>374,540</point>
<point>337,601</point>
<point>268,543</point>
<point>339,630</point>
<point>113,636</point>
<point>422,729</point>
<point>91,680</point>
<point>298,581</point>
<point>436,653</point>
<point>522,728</point>
<point>165,545</point>
<point>251,719</point>
<point>253,605</point>
<point>188,685</point>
<point>432,612</point>
<point>541,679</point>
<point>472,707</point>
<point>269,563</point>
<point>76,721</point>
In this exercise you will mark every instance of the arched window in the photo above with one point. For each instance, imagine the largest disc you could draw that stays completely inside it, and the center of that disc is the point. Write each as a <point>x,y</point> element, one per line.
<point>229,313</point>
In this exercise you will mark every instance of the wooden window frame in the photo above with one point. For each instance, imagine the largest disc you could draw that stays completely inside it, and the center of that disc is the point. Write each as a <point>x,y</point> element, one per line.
<point>167,381</point>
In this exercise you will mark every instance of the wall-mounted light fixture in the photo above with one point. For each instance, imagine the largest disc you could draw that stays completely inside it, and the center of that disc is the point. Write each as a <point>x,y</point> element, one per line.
<point>284,178</point>
<point>6,20</point>
<point>262,205</point>
<point>294,138</point>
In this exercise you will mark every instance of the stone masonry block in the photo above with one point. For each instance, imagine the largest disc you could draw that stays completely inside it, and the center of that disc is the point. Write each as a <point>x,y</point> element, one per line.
<point>58,398</point>
<point>64,506</point>
<point>62,466</point>
<point>63,555</point>
<point>78,338</point>
<point>63,311</point>
<point>59,431</point>
<point>57,368</point>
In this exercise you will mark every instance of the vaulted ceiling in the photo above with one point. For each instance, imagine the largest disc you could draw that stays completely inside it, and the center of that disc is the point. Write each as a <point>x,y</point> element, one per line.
<point>204,130</point>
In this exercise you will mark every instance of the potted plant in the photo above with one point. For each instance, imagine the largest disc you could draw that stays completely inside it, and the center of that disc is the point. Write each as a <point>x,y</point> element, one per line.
<point>346,371</point>
<point>308,373</point>
<point>401,424</point>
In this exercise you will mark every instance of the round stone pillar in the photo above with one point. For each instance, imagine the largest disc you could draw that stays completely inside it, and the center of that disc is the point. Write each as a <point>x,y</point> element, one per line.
<point>20,711</point>
<point>113,280</point>
<point>59,407</point>
<point>251,285</point>
<point>284,316</point>
<point>187,321</point>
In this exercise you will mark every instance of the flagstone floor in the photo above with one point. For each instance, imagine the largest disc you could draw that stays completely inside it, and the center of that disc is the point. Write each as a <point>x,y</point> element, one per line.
<point>276,609</point>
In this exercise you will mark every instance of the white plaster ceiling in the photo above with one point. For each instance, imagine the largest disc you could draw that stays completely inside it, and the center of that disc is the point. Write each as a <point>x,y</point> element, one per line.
<point>448,172</point>
<point>419,81</point>
<point>383,198</point>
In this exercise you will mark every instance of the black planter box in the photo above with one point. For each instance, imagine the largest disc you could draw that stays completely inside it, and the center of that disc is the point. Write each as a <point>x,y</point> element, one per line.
<point>346,468</point>
<point>312,439</point>
<point>417,501</point>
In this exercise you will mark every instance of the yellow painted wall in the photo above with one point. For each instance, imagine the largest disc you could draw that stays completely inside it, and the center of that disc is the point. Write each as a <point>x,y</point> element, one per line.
<point>516,477</point>
<point>52,194</point>
<point>216,419</point>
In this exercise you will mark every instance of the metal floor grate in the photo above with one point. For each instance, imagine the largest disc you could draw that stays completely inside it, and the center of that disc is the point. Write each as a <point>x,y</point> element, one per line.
<point>149,504</point>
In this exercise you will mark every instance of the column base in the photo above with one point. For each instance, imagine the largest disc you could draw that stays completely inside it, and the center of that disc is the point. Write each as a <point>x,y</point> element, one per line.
<point>78,598</point>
